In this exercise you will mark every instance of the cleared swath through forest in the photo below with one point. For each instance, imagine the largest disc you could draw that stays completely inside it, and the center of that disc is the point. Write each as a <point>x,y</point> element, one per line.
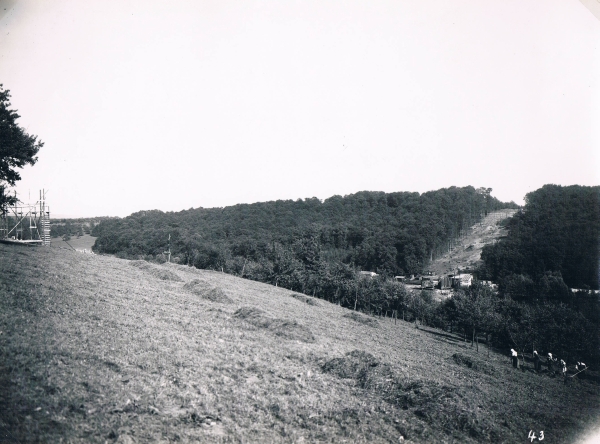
<point>465,253</point>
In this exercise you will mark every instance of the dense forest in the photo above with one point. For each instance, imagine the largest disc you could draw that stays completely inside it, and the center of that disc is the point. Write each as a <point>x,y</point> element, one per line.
<point>552,247</point>
<point>289,242</point>
<point>555,239</point>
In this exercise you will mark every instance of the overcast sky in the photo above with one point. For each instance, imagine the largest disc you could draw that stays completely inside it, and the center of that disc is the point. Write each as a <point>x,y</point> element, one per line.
<point>177,104</point>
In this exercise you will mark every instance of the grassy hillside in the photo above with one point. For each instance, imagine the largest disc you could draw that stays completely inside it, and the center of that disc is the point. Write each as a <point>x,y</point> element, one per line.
<point>85,242</point>
<point>96,349</point>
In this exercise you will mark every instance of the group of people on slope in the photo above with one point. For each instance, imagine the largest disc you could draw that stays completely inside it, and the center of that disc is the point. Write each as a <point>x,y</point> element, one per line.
<point>551,362</point>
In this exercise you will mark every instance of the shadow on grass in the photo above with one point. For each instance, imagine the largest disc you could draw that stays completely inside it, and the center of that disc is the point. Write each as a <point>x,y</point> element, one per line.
<point>474,364</point>
<point>451,337</point>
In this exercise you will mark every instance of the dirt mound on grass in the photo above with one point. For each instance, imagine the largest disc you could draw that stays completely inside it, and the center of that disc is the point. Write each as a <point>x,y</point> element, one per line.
<point>280,327</point>
<point>474,364</point>
<point>160,273</point>
<point>208,291</point>
<point>166,275</point>
<point>304,298</point>
<point>361,318</point>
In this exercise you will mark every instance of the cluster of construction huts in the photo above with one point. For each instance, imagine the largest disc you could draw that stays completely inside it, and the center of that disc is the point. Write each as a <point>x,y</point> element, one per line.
<point>449,281</point>
<point>444,282</point>
<point>431,282</point>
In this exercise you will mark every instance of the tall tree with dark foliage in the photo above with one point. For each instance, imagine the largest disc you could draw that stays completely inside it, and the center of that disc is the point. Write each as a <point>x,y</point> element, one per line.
<point>17,148</point>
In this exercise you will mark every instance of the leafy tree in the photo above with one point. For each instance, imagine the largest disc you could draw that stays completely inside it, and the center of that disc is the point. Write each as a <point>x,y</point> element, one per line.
<point>476,310</point>
<point>519,325</point>
<point>17,148</point>
<point>421,304</point>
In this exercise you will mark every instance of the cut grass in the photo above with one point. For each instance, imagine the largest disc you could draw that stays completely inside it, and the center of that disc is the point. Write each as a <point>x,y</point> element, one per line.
<point>93,349</point>
<point>157,271</point>
<point>306,299</point>
<point>362,319</point>
<point>280,327</point>
<point>428,400</point>
<point>207,291</point>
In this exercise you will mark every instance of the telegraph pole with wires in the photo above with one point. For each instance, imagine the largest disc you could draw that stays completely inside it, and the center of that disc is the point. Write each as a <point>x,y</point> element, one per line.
<point>168,252</point>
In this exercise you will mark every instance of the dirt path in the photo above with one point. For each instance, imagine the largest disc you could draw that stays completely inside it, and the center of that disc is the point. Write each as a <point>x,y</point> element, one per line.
<point>467,253</point>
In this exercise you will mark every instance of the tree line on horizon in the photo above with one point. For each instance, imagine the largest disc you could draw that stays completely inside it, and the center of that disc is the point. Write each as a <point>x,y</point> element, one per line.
<point>290,243</point>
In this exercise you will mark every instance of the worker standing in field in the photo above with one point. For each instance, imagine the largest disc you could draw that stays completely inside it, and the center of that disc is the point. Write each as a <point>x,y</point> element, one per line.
<point>549,363</point>
<point>579,369</point>
<point>515,358</point>
<point>564,370</point>
<point>537,365</point>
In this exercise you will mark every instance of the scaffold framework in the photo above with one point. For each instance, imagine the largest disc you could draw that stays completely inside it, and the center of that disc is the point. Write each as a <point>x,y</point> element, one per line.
<point>26,223</point>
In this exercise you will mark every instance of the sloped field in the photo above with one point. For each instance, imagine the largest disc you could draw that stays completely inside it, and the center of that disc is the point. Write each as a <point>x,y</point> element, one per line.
<point>96,349</point>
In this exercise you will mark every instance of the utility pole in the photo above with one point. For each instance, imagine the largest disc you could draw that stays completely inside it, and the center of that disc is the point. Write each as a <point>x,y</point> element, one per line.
<point>168,252</point>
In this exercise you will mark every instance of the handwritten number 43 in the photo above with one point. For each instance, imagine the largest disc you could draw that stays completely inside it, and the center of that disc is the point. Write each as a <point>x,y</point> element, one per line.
<point>532,436</point>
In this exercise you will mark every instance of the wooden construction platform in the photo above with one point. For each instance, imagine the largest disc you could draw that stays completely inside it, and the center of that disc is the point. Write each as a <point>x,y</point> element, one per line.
<point>28,243</point>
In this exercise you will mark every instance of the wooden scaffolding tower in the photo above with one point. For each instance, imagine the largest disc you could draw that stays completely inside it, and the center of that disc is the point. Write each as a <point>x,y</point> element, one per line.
<point>26,223</point>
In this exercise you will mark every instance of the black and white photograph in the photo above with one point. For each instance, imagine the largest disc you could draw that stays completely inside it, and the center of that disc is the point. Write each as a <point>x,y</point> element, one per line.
<point>300,221</point>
